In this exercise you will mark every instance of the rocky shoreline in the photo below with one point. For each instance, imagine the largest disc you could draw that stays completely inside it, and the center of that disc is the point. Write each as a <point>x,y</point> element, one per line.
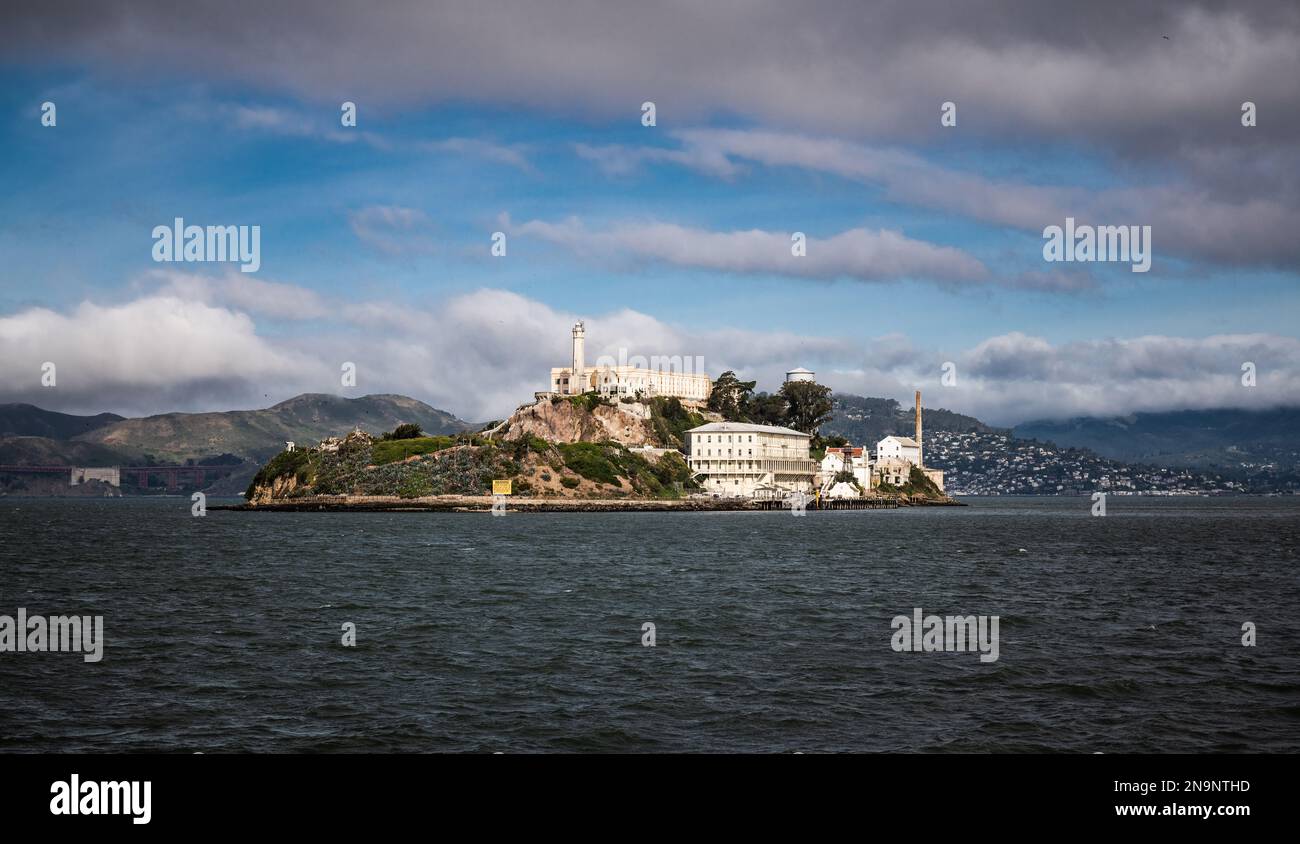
<point>483,504</point>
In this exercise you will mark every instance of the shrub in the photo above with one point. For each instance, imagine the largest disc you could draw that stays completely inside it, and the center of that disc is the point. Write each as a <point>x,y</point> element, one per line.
<point>390,451</point>
<point>592,461</point>
<point>919,484</point>
<point>283,465</point>
<point>405,431</point>
<point>671,420</point>
<point>588,401</point>
<point>569,483</point>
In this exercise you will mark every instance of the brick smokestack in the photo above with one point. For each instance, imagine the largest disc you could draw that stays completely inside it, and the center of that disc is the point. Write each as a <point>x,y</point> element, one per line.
<point>919,457</point>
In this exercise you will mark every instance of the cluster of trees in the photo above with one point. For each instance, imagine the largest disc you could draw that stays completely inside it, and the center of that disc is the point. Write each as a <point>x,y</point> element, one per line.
<point>802,405</point>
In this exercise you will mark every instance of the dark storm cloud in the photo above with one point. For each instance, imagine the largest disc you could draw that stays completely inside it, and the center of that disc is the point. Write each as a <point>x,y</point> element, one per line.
<point>1101,75</point>
<point>1097,69</point>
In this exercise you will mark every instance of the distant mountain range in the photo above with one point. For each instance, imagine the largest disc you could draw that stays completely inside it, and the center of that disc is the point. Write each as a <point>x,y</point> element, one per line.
<point>1222,440</point>
<point>865,420</point>
<point>26,420</point>
<point>1261,449</point>
<point>35,436</point>
<point>1257,451</point>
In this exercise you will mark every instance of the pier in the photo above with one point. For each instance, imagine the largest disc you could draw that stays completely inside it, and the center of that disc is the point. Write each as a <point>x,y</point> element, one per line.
<point>874,503</point>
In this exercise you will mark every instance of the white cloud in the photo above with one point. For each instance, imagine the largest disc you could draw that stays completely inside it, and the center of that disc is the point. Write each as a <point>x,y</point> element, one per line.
<point>862,254</point>
<point>482,353</point>
<point>1186,221</point>
<point>243,292</point>
<point>394,230</point>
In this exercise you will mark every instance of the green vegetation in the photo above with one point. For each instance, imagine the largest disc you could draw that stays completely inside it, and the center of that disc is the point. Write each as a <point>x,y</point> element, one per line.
<point>819,444</point>
<point>283,465</point>
<point>668,477</point>
<point>586,401</point>
<point>917,484</point>
<point>730,396</point>
<point>594,461</point>
<point>405,431</point>
<point>808,405</point>
<point>362,466</point>
<point>670,420</point>
<point>802,405</point>
<point>847,476</point>
<point>392,450</point>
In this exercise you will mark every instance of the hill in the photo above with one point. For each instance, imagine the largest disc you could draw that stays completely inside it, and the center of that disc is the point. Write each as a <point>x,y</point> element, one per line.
<point>25,420</point>
<point>864,420</point>
<point>44,451</point>
<point>260,434</point>
<point>1236,442</point>
<point>359,465</point>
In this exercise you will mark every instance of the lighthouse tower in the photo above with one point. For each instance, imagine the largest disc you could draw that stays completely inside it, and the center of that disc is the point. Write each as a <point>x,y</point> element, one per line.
<point>578,377</point>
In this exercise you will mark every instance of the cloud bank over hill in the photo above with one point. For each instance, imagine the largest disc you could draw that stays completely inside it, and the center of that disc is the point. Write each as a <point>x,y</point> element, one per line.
<point>197,342</point>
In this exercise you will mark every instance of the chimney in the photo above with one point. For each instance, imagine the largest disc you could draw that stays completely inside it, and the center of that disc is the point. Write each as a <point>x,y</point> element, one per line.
<point>919,460</point>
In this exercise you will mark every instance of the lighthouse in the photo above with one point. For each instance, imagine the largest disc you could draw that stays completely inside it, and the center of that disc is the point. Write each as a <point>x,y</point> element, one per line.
<point>578,379</point>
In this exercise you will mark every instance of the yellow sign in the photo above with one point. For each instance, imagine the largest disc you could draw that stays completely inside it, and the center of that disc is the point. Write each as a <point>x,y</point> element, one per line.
<point>501,487</point>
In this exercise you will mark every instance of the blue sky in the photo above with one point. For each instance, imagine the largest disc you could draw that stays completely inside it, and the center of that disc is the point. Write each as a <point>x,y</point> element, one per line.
<point>397,213</point>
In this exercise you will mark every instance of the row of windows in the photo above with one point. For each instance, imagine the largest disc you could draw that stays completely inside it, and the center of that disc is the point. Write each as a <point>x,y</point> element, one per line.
<point>708,438</point>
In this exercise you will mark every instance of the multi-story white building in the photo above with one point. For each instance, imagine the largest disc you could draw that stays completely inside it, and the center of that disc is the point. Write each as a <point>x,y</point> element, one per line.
<point>900,449</point>
<point>672,377</point>
<point>737,459</point>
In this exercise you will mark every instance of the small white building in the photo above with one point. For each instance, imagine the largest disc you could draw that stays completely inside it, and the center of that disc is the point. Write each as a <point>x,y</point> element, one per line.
<point>741,460</point>
<point>843,489</point>
<point>800,374</point>
<point>837,460</point>
<point>895,458</point>
<point>901,449</point>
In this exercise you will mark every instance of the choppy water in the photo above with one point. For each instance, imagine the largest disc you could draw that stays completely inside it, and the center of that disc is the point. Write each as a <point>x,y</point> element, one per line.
<point>523,633</point>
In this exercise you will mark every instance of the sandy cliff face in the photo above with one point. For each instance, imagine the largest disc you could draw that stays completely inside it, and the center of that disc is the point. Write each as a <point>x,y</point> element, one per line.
<point>565,422</point>
<point>282,487</point>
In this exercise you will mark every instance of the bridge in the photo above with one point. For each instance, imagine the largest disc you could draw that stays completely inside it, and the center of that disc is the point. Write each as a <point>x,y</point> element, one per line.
<point>172,476</point>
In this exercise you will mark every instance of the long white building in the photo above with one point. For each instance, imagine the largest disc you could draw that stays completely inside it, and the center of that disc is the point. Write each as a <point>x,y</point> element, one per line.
<point>671,378</point>
<point>738,459</point>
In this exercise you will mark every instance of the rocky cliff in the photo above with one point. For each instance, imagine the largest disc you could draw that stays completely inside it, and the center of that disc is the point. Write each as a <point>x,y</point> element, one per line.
<point>569,421</point>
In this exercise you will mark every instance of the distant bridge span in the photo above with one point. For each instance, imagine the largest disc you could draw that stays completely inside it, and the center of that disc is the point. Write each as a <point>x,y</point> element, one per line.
<point>172,475</point>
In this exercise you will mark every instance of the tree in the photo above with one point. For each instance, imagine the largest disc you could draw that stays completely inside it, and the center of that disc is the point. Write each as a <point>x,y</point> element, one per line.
<point>730,395</point>
<point>405,431</point>
<point>766,409</point>
<point>809,403</point>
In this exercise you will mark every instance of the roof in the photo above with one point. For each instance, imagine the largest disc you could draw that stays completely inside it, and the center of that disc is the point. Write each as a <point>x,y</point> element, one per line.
<point>854,451</point>
<point>906,442</point>
<point>743,428</point>
<point>800,370</point>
